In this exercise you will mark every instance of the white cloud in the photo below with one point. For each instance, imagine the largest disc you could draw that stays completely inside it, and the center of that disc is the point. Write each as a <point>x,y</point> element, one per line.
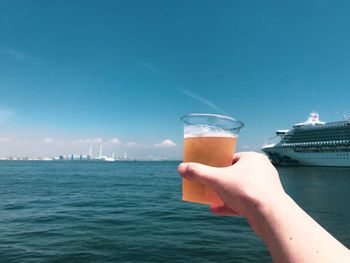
<point>133,145</point>
<point>4,139</point>
<point>165,144</point>
<point>88,141</point>
<point>48,140</point>
<point>97,140</point>
<point>114,141</point>
<point>5,115</point>
<point>33,146</point>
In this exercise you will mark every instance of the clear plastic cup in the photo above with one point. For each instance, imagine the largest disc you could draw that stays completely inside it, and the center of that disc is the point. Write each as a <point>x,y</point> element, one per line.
<point>211,140</point>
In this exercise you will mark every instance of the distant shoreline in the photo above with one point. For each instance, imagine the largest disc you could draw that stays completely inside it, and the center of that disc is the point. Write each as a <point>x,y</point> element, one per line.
<point>82,161</point>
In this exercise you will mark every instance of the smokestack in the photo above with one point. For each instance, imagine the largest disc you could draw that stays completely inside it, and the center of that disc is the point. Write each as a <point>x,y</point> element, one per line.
<point>90,151</point>
<point>125,154</point>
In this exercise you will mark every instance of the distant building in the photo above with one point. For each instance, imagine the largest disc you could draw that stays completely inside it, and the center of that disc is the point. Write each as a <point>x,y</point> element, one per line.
<point>125,154</point>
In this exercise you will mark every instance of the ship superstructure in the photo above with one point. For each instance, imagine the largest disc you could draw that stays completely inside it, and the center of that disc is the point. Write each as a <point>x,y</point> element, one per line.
<point>313,143</point>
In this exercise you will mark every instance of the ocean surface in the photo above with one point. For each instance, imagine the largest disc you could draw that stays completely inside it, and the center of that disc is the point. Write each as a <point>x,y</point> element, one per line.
<point>71,211</point>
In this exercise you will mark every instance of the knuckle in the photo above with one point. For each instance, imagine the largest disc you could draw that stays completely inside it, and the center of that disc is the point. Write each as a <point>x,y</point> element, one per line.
<point>191,170</point>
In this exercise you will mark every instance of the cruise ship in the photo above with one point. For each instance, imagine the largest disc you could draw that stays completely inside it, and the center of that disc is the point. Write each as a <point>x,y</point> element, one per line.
<point>312,143</point>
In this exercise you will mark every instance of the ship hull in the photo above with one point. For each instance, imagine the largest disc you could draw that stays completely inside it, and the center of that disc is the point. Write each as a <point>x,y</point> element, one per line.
<point>288,156</point>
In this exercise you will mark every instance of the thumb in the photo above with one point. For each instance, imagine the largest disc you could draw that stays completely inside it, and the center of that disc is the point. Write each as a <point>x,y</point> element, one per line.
<point>208,175</point>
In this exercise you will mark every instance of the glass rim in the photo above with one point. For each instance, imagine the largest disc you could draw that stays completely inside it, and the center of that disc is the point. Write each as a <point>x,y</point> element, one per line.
<point>238,124</point>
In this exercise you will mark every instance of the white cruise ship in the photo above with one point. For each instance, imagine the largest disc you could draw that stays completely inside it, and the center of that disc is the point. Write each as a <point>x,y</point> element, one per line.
<point>312,143</point>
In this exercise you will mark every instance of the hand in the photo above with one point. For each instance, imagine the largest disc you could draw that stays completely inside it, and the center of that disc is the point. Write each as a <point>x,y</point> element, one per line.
<point>251,181</point>
<point>251,187</point>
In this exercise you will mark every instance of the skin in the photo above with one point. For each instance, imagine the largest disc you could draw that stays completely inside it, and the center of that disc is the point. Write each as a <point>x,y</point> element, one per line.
<point>251,188</point>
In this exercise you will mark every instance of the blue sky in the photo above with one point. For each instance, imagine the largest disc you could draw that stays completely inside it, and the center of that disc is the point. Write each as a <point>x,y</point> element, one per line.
<point>91,71</point>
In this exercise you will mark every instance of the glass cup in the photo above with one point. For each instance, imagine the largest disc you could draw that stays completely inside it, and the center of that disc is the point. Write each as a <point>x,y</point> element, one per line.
<point>211,140</point>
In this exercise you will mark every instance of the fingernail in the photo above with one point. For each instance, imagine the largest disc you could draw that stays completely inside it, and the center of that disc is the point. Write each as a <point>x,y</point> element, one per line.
<point>182,168</point>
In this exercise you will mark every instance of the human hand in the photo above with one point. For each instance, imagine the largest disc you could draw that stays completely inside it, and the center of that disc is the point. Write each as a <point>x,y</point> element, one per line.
<point>251,182</point>
<point>251,187</point>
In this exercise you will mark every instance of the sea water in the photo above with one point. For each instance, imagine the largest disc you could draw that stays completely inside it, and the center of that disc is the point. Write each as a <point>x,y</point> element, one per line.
<point>72,211</point>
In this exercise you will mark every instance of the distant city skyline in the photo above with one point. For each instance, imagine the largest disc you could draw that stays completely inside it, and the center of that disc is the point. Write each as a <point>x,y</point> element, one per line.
<point>51,147</point>
<point>121,73</point>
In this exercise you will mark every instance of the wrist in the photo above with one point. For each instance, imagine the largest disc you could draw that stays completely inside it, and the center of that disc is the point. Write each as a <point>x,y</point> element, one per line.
<point>262,212</point>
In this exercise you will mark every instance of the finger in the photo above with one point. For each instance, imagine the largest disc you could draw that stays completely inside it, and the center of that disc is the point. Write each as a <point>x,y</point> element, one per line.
<point>243,155</point>
<point>201,173</point>
<point>223,211</point>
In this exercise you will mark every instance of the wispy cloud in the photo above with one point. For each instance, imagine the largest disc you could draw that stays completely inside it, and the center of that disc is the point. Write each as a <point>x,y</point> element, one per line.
<point>19,55</point>
<point>202,100</point>
<point>16,54</point>
<point>165,144</point>
<point>5,115</point>
<point>151,67</point>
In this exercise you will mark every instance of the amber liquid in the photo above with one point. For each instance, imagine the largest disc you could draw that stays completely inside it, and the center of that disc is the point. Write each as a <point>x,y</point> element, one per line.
<point>213,151</point>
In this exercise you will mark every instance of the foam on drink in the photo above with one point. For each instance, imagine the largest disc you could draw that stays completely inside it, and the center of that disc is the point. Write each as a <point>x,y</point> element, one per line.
<point>206,131</point>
